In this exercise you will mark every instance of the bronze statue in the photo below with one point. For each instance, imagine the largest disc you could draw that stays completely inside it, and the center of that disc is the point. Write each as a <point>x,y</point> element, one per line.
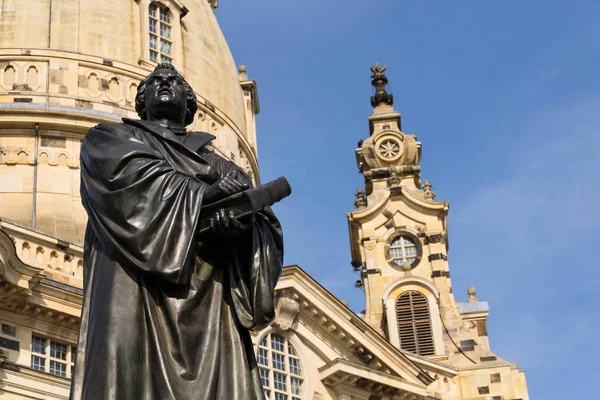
<point>167,310</point>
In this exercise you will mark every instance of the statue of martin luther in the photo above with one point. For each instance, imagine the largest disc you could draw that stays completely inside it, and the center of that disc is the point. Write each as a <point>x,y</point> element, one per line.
<point>167,313</point>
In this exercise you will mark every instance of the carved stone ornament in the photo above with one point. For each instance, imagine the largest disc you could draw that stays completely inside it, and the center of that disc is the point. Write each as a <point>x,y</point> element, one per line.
<point>389,147</point>
<point>429,194</point>
<point>286,312</point>
<point>435,238</point>
<point>361,199</point>
<point>379,82</point>
<point>370,245</point>
<point>393,181</point>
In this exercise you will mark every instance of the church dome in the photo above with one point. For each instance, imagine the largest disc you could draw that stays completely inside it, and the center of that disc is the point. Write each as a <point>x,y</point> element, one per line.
<point>69,66</point>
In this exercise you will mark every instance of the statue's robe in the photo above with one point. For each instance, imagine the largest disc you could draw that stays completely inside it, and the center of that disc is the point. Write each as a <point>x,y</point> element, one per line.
<point>167,314</point>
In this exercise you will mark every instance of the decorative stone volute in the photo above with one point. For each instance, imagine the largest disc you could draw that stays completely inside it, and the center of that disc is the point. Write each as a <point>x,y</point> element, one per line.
<point>389,151</point>
<point>286,311</point>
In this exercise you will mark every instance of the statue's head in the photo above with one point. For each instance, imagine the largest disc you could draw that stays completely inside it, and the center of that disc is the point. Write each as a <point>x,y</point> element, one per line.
<point>164,94</point>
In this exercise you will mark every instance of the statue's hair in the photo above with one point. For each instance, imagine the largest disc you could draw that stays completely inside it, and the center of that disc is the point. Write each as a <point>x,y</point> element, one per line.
<point>140,102</point>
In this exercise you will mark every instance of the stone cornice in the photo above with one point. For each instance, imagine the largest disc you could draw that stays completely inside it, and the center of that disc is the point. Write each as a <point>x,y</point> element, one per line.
<point>13,271</point>
<point>26,290</point>
<point>422,203</point>
<point>384,200</point>
<point>343,372</point>
<point>372,208</point>
<point>11,228</point>
<point>60,261</point>
<point>68,332</point>
<point>432,366</point>
<point>29,382</point>
<point>252,88</point>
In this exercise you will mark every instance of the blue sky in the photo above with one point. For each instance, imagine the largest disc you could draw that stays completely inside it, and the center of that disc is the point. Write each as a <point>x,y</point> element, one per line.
<point>504,96</point>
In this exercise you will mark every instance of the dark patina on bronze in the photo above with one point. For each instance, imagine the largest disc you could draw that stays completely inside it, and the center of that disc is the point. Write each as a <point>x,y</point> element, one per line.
<point>379,82</point>
<point>167,312</point>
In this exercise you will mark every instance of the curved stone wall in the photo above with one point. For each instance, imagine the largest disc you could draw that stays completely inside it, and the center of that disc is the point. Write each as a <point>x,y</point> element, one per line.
<point>67,65</point>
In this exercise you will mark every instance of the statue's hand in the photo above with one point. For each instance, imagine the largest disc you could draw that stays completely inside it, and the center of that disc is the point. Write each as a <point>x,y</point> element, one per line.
<point>224,188</point>
<point>225,225</point>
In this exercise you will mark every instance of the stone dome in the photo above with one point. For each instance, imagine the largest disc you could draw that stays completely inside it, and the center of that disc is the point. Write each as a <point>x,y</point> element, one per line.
<point>71,65</point>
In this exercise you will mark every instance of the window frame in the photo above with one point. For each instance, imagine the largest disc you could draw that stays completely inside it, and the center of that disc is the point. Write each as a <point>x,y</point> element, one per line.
<point>417,324</point>
<point>271,391</point>
<point>404,234</point>
<point>69,360</point>
<point>160,10</point>
<point>431,293</point>
<point>402,243</point>
<point>176,11</point>
<point>11,327</point>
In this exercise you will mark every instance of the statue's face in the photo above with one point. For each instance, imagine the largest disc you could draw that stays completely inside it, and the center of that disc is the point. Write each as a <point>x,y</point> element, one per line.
<point>165,95</point>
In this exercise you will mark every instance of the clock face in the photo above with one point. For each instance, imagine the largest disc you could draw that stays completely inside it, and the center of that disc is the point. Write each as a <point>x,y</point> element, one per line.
<point>389,148</point>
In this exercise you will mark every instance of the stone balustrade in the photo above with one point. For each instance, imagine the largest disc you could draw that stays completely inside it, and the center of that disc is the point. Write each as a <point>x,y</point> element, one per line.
<point>61,261</point>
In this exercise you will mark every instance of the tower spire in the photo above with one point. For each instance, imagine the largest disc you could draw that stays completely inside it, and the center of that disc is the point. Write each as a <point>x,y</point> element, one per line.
<point>388,156</point>
<point>379,82</point>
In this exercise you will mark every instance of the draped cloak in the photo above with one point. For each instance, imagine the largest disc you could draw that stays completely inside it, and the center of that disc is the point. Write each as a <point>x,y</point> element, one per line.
<point>167,314</point>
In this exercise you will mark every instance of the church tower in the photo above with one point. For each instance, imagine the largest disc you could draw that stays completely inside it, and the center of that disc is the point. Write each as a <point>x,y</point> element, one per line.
<point>399,244</point>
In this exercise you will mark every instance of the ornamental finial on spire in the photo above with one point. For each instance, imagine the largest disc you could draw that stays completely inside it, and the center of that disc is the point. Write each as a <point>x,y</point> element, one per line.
<point>361,199</point>
<point>379,81</point>
<point>429,194</point>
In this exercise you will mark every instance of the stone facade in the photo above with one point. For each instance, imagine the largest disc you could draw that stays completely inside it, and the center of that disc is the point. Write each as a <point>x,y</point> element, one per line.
<point>67,65</point>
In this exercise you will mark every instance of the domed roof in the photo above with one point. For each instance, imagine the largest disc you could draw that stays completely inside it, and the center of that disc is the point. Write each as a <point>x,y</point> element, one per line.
<point>209,64</point>
<point>118,31</point>
<point>66,68</point>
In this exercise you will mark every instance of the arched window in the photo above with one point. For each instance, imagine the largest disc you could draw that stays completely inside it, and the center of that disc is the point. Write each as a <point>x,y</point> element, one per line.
<point>160,37</point>
<point>414,323</point>
<point>280,369</point>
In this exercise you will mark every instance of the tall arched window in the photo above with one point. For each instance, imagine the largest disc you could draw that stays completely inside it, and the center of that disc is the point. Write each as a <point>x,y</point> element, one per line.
<point>160,36</point>
<point>414,323</point>
<point>280,369</point>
